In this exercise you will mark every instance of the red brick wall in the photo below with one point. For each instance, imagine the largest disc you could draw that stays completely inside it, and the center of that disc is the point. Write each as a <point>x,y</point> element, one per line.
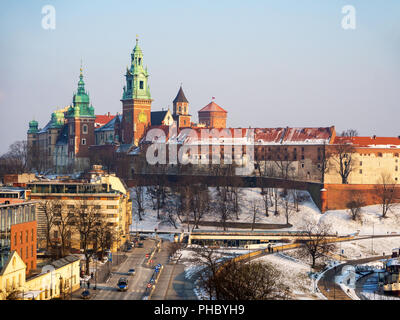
<point>338,195</point>
<point>16,229</point>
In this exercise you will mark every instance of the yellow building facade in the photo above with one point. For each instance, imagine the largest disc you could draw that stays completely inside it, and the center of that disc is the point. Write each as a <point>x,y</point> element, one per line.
<point>57,279</point>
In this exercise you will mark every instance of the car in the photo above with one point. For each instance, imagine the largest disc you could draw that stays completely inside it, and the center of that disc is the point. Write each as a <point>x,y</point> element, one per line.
<point>122,284</point>
<point>140,245</point>
<point>131,272</point>
<point>85,294</point>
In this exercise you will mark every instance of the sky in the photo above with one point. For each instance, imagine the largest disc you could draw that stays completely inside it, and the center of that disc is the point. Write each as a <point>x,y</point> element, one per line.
<point>268,63</point>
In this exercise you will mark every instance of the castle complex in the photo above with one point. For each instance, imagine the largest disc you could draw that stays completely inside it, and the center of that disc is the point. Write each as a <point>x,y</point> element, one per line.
<point>75,137</point>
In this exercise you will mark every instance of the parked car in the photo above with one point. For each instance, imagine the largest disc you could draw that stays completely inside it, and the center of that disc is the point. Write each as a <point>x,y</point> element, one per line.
<point>85,294</point>
<point>122,284</point>
<point>131,272</point>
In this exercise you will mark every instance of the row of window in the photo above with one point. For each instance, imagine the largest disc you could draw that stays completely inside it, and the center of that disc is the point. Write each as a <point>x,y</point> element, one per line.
<point>26,236</point>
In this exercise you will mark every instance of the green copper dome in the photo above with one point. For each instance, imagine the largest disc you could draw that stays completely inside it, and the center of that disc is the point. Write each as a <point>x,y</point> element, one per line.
<point>81,101</point>
<point>136,77</point>
<point>33,126</point>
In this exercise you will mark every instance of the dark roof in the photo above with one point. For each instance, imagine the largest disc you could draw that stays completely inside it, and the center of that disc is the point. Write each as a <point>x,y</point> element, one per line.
<point>63,136</point>
<point>157,117</point>
<point>64,261</point>
<point>180,97</point>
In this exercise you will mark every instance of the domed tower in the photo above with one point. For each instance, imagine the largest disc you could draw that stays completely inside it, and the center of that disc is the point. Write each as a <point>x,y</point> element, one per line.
<point>181,110</point>
<point>32,141</point>
<point>136,100</point>
<point>80,121</point>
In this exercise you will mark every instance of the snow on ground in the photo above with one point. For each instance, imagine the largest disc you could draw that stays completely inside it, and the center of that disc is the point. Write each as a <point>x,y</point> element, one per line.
<point>296,268</point>
<point>340,220</point>
<point>368,247</point>
<point>294,275</point>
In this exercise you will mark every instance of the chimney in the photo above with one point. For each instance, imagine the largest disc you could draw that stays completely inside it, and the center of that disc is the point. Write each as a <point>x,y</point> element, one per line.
<point>374,137</point>
<point>108,113</point>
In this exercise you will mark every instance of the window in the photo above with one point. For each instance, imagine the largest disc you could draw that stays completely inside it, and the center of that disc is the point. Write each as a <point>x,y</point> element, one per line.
<point>20,237</point>
<point>302,165</point>
<point>83,142</point>
<point>141,84</point>
<point>396,168</point>
<point>26,253</point>
<point>360,163</point>
<point>85,129</point>
<point>27,235</point>
<point>15,238</point>
<point>360,171</point>
<point>71,129</point>
<point>32,251</point>
<point>32,233</point>
<point>140,61</point>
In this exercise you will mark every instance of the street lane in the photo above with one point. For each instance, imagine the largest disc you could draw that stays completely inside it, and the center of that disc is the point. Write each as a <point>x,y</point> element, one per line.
<point>137,283</point>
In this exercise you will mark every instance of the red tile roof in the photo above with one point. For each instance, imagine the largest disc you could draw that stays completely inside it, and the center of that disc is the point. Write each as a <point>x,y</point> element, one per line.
<point>101,120</point>
<point>369,141</point>
<point>212,106</point>
<point>296,135</point>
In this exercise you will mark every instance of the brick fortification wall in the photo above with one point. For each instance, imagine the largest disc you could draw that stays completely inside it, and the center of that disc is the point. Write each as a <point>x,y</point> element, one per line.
<point>338,195</point>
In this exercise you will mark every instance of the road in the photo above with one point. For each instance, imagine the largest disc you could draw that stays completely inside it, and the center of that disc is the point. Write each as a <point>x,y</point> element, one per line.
<point>137,283</point>
<point>333,291</point>
<point>172,284</point>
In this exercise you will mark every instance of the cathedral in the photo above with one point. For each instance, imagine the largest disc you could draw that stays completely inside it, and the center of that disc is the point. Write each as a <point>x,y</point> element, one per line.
<point>75,134</point>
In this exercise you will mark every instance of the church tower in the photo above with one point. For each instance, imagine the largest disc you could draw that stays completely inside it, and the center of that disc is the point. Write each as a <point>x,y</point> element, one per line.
<point>181,110</point>
<point>80,121</point>
<point>136,100</point>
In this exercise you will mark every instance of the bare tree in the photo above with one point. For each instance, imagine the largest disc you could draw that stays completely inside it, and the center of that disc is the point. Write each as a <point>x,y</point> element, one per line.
<point>223,206</point>
<point>266,200</point>
<point>210,260</point>
<point>87,219</point>
<point>342,154</point>
<point>200,203</point>
<point>250,281</point>
<point>355,205</point>
<point>47,207</point>
<point>385,193</point>
<point>323,162</point>
<point>287,205</point>
<point>138,200</point>
<point>63,221</point>
<point>315,244</point>
<point>283,161</point>
<point>254,208</point>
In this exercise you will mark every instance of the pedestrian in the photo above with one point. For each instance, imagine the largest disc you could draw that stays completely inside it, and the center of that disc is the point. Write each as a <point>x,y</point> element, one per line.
<point>88,284</point>
<point>91,276</point>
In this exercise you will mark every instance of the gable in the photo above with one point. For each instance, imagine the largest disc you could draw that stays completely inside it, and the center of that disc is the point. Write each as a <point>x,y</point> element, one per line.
<point>13,264</point>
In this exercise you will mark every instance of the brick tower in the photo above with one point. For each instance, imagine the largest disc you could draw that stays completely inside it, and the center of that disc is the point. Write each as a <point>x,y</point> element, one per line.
<point>181,110</point>
<point>80,120</point>
<point>213,116</point>
<point>136,100</point>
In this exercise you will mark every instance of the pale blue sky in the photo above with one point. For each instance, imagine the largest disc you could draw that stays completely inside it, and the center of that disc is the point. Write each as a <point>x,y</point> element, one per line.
<point>268,63</point>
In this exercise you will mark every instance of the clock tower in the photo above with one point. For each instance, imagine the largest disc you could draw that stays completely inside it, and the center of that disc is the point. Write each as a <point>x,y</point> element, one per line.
<point>136,100</point>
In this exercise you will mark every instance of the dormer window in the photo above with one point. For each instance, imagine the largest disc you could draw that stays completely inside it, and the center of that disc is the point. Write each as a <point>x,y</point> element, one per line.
<point>141,84</point>
<point>140,61</point>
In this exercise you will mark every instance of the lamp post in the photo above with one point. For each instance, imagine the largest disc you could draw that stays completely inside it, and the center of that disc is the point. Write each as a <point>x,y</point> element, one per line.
<point>373,233</point>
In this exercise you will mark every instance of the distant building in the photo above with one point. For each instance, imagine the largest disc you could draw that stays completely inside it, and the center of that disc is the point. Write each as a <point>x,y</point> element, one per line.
<point>105,193</point>
<point>59,278</point>
<point>18,232</point>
